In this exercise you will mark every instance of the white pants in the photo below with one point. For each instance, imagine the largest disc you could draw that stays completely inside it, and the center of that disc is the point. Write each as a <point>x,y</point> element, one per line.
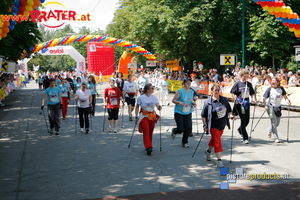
<point>162,93</point>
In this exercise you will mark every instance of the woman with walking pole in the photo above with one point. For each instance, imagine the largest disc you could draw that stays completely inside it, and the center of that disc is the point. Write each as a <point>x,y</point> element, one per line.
<point>184,101</point>
<point>53,95</point>
<point>275,93</point>
<point>65,90</point>
<point>84,99</point>
<point>112,97</point>
<point>241,91</point>
<point>147,115</point>
<point>215,116</point>
<point>91,85</point>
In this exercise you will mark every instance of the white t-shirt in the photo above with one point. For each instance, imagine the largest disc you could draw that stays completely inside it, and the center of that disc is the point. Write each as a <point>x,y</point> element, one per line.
<point>292,81</point>
<point>275,96</point>
<point>147,103</point>
<point>84,79</point>
<point>194,85</point>
<point>130,88</point>
<point>84,100</point>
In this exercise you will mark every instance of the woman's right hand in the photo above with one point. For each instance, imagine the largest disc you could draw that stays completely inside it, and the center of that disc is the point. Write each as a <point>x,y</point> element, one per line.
<point>266,107</point>
<point>181,104</point>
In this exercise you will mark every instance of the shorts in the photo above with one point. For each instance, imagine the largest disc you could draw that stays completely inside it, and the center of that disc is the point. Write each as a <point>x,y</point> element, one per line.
<point>130,101</point>
<point>113,113</point>
<point>40,83</point>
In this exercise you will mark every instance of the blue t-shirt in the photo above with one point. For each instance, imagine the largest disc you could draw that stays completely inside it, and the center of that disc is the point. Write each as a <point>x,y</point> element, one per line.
<point>187,98</point>
<point>64,90</point>
<point>40,80</point>
<point>57,81</point>
<point>77,86</point>
<point>53,97</point>
<point>164,85</point>
<point>91,87</point>
<point>142,82</point>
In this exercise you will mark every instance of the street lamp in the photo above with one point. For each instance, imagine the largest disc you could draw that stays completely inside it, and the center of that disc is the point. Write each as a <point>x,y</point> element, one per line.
<point>243,34</point>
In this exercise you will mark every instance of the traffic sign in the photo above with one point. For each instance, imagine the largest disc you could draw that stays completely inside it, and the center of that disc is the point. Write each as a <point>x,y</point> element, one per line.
<point>161,63</point>
<point>227,59</point>
<point>200,65</point>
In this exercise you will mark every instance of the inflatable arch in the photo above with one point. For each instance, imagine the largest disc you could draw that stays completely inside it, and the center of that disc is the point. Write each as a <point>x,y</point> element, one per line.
<point>59,50</point>
<point>89,38</point>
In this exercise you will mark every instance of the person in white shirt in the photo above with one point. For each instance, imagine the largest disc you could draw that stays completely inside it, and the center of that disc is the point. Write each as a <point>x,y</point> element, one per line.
<point>270,72</point>
<point>147,116</point>
<point>85,78</point>
<point>130,91</point>
<point>292,79</point>
<point>164,90</point>
<point>275,93</point>
<point>84,102</point>
<point>142,81</point>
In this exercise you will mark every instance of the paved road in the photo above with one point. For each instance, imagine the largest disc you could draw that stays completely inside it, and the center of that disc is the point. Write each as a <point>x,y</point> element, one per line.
<point>36,165</point>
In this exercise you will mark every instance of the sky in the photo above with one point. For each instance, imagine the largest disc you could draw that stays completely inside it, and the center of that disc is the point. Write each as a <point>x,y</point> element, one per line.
<point>101,15</point>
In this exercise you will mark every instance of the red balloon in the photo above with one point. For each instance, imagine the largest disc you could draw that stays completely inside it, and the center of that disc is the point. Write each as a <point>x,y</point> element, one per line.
<point>270,4</point>
<point>292,25</point>
<point>22,9</point>
<point>23,2</point>
<point>281,3</point>
<point>297,27</point>
<point>276,3</point>
<point>286,24</point>
<point>259,2</point>
<point>263,4</point>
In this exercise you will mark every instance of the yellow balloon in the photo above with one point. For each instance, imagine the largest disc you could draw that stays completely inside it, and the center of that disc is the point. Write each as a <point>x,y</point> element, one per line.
<point>30,2</point>
<point>26,12</point>
<point>277,9</point>
<point>265,8</point>
<point>292,29</point>
<point>271,9</point>
<point>283,9</point>
<point>288,9</point>
<point>0,31</point>
<point>28,8</point>
<point>297,32</point>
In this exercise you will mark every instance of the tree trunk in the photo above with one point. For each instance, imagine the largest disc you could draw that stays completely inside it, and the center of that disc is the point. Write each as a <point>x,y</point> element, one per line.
<point>273,64</point>
<point>217,62</point>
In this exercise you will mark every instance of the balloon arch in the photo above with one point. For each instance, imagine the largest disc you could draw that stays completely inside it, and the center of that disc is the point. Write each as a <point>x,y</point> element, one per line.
<point>90,38</point>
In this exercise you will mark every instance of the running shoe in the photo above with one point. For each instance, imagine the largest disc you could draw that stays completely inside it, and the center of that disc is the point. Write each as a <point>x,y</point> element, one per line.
<point>191,135</point>
<point>168,104</point>
<point>208,155</point>
<point>220,164</point>
<point>130,118</point>
<point>172,134</point>
<point>149,150</point>
<point>269,132</point>
<point>87,131</point>
<point>277,140</point>
<point>82,130</point>
<point>246,141</point>
<point>110,129</point>
<point>186,145</point>
<point>56,133</point>
<point>115,130</point>
<point>51,131</point>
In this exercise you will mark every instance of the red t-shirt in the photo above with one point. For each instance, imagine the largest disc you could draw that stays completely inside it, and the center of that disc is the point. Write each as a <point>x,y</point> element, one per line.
<point>113,95</point>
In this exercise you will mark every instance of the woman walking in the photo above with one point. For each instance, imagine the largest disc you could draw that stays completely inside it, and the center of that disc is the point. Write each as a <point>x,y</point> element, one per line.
<point>112,97</point>
<point>53,95</point>
<point>84,102</point>
<point>147,101</point>
<point>275,93</point>
<point>65,90</point>
<point>184,101</point>
<point>91,85</point>
<point>215,113</point>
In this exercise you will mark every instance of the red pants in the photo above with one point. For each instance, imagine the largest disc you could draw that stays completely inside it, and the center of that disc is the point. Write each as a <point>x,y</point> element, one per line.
<point>64,109</point>
<point>215,140</point>
<point>146,127</point>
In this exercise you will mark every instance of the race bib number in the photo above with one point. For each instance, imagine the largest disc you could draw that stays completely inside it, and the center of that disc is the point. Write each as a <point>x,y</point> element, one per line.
<point>164,87</point>
<point>90,87</point>
<point>53,98</point>
<point>245,94</point>
<point>186,108</point>
<point>83,103</point>
<point>221,111</point>
<point>149,107</point>
<point>131,89</point>
<point>114,101</point>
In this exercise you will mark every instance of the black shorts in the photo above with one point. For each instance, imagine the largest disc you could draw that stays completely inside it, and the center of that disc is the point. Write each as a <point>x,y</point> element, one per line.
<point>113,113</point>
<point>130,101</point>
<point>40,83</point>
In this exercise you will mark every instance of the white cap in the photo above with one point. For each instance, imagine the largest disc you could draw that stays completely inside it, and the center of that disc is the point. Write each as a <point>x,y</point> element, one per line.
<point>215,70</point>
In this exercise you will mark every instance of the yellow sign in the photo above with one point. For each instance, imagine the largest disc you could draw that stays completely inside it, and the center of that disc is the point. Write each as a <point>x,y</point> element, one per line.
<point>227,60</point>
<point>171,64</point>
<point>4,66</point>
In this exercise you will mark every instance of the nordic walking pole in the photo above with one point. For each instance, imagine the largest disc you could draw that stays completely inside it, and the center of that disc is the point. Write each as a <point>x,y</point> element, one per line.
<point>122,115</point>
<point>259,120</point>
<point>160,129</point>
<point>170,126</point>
<point>288,126</point>
<point>197,120</point>
<point>132,135</point>
<point>45,120</point>
<point>231,140</point>
<point>104,118</point>
<point>198,144</point>
<point>76,117</point>
<point>252,122</point>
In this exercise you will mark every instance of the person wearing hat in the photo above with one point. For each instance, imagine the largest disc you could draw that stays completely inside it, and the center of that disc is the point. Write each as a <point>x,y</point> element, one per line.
<point>112,95</point>
<point>216,76</point>
<point>53,95</point>
<point>183,112</point>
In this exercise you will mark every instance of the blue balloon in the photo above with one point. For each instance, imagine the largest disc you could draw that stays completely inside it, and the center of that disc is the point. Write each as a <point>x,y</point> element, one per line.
<point>256,1</point>
<point>42,1</point>
<point>17,3</point>
<point>291,21</point>
<point>262,0</point>
<point>11,27</point>
<point>285,20</point>
<point>15,9</point>
<point>280,18</point>
<point>12,22</point>
<point>297,21</point>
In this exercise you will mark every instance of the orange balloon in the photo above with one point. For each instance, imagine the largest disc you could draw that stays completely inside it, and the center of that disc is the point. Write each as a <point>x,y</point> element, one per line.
<point>6,23</point>
<point>34,6</point>
<point>37,2</point>
<point>277,15</point>
<point>284,15</point>
<point>295,16</point>
<point>5,29</point>
<point>3,35</point>
<point>289,15</point>
<point>273,13</point>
